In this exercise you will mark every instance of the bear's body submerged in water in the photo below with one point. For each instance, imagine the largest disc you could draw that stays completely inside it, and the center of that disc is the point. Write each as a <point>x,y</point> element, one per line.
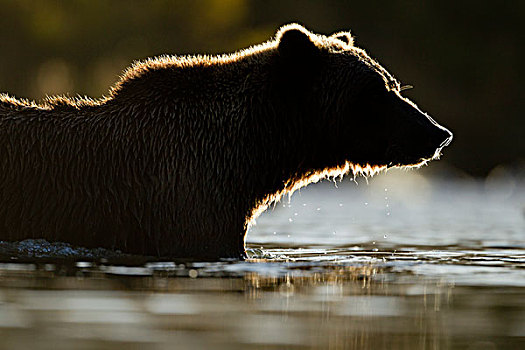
<point>186,151</point>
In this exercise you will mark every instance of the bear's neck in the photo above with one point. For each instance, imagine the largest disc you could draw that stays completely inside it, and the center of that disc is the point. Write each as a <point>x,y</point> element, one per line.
<point>237,119</point>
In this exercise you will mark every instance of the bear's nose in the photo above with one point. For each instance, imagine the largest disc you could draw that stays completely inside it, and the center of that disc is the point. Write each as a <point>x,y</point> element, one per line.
<point>439,138</point>
<point>446,137</point>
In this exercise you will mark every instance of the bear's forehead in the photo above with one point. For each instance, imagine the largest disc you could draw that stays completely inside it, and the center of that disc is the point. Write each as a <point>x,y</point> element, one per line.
<point>334,45</point>
<point>391,82</point>
<point>354,55</point>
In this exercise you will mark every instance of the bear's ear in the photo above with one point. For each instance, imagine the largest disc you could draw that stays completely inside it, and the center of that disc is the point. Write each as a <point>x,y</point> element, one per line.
<point>295,43</point>
<point>345,37</point>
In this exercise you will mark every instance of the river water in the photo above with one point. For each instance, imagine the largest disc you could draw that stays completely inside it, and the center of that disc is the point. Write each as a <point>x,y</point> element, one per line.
<point>407,261</point>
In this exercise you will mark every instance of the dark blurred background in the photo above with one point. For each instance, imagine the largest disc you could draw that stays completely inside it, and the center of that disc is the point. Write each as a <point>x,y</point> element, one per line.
<point>462,57</point>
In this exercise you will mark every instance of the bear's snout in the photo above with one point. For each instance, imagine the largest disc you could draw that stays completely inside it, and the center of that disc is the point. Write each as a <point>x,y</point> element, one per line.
<point>440,138</point>
<point>417,137</point>
<point>434,138</point>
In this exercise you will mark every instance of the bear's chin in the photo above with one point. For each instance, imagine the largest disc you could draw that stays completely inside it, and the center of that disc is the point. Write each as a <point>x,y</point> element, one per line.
<point>402,160</point>
<point>396,157</point>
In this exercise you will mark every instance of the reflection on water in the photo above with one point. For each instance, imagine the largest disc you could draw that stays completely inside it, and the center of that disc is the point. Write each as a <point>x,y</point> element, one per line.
<point>392,265</point>
<point>289,306</point>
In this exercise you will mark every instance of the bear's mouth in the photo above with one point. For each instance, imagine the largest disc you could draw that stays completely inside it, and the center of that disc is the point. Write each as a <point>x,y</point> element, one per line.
<point>396,157</point>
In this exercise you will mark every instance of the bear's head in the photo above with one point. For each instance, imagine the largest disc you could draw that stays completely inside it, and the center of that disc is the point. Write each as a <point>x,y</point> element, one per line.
<point>350,107</point>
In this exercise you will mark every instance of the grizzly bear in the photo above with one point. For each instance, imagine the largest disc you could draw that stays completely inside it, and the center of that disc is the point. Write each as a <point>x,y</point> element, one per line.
<point>186,151</point>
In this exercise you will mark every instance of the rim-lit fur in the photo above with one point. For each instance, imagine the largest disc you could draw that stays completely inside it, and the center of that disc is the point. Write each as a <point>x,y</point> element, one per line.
<point>185,151</point>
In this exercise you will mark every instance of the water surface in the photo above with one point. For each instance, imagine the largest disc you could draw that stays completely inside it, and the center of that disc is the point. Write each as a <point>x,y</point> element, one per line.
<point>402,263</point>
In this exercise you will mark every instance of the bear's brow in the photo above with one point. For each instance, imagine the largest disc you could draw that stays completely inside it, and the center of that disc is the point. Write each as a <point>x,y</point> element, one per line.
<point>391,83</point>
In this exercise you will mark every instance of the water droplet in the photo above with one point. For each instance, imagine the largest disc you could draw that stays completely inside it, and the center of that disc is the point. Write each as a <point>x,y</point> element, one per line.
<point>375,249</point>
<point>274,232</point>
<point>386,198</point>
<point>318,209</point>
<point>386,190</point>
<point>295,214</point>
<point>193,273</point>
<point>304,204</point>
<point>385,236</point>
<point>374,242</point>
<point>388,214</point>
<point>340,204</point>
<point>388,205</point>
<point>366,203</point>
<point>333,233</point>
<point>290,219</point>
<point>288,236</point>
